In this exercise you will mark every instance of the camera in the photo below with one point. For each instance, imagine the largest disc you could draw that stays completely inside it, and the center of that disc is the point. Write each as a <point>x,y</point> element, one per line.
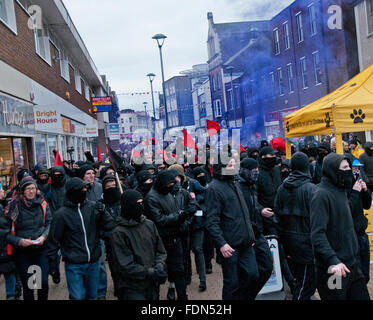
<point>70,150</point>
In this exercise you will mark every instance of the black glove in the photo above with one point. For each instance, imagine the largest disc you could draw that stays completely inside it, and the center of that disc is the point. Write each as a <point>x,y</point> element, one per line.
<point>100,207</point>
<point>183,215</point>
<point>160,275</point>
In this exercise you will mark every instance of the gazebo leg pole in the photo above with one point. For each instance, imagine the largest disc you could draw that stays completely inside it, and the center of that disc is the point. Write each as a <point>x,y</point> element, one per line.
<point>338,143</point>
<point>288,149</point>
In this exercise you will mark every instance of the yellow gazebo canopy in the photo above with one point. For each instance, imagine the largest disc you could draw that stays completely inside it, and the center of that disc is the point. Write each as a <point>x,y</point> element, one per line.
<point>347,109</point>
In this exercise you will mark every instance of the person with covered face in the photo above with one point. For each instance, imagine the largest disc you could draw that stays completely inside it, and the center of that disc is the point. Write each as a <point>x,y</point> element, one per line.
<point>162,209</point>
<point>316,167</point>
<point>333,237</point>
<point>366,159</point>
<point>29,220</point>
<point>139,255</point>
<point>292,209</point>
<point>229,224</point>
<point>145,182</point>
<point>42,180</point>
<point>76,230</point>
<point>248,177</point>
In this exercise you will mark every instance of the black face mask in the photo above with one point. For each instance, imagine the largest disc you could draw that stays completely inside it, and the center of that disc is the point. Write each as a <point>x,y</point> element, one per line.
<point>175,188</point>
<point>58,179</point>
<point>166,190</point>
<point>202,180</point>
<point>77,196</point>
<point>111,195</point>
<point>285,174</point>
<point>138,212</point>
<point>269,162</point>
<point>346,179</point>
<point>145,187</point>
<point>321,157</point>
<point>369,152</point>
<point>43,181</point>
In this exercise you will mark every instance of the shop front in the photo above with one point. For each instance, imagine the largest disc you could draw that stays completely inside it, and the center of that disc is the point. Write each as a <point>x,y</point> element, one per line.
<point>17,130</point>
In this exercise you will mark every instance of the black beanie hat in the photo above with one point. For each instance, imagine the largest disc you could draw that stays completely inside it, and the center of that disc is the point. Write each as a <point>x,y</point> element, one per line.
<point>164,178</point>
<point>75,184</point>
<point>108,178</point>
<point>104,170</point>
<point>83,169</point>
<point>249,163</point>
<point>299,162</point>
<point>197,171</point>
<point>143,175</point>
<point>22,173</point>
<point>128,203</point>
<point>266,150</point>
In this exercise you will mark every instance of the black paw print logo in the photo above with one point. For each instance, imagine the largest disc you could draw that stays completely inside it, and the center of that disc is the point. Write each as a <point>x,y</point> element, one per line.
<point>287,126</point>
<point>327,120</point>
<point>358,116</point>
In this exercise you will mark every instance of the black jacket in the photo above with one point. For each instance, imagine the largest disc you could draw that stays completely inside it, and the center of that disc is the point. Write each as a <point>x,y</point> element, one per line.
<point>227,218</point>
<point>55,193</point>
<point>358,202</point>
<point>185,202</point>
<point>332,229</point>
<point>76,230</point>
<point>94,192</point>
<point>113,210</point>
<point>292,209</point>
<point>207,172</point>
<point>268,182</point>
<point>7,263</point>
<point>367,169</point>
<point>316,172</point>
<point>137,249</point>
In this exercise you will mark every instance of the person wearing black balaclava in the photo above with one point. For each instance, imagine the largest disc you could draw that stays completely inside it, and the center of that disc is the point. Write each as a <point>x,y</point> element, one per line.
<point>132,180</point>
<point>76,230</point>
<point>248,176</point>
<point>285,168</point>
<point>55,195</point>
<point>366,159</point>
<point>42,180</point>
<point>316,166</point>
<point>333,238</point>
<point>111,200</point>
<point>162,209</point>
<point>292,209</point>
<point>229,224</point>
<point>253,153</point>
<point>145,182</point>
<point>139,255</point>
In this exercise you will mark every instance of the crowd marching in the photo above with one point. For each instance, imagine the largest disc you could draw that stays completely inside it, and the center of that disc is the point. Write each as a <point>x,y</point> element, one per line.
<point>144,220</point>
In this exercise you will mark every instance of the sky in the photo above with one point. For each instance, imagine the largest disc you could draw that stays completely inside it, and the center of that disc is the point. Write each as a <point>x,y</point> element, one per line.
<point>118,35</point>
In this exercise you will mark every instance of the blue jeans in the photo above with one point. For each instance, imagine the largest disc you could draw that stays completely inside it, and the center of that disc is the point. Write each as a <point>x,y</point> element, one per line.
<point>240,273</point>
<point>10,284</point>
<point>82,280</point>
<point>102,282</point>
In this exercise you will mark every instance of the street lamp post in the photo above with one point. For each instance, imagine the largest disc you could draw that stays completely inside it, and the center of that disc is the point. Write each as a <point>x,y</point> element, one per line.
<point>146,115</point>
<point>160,40</point>
<point>230,69</point>
<point>151,79</point>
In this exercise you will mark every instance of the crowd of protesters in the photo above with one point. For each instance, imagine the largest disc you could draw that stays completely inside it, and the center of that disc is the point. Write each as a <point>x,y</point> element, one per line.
<point>144,220</point>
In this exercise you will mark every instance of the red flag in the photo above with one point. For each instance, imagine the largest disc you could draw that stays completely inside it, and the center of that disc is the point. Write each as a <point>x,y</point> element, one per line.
<point>188,140</point>
<point>278,144</point>
<point>136,153</point>
<point>241,148</point>
<point>99,156</point>
<point>213,127</point>
<point>57,160</point>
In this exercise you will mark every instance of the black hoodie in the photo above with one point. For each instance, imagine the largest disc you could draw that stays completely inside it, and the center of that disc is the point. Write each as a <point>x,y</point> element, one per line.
<point>332,230</point>
<point>367,160</point>
<point>55,195</point>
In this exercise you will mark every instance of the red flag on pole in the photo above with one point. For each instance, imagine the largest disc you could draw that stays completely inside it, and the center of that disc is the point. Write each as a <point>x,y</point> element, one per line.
<point>241,148</point>
<point>57,160</point>
<point>189,141</point>
<point>99,156</point>
<point>213,127</point>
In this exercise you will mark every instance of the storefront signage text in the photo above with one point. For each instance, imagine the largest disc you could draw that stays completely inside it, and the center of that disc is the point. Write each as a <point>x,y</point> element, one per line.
<point>46,117</point>
<point>12,117</point>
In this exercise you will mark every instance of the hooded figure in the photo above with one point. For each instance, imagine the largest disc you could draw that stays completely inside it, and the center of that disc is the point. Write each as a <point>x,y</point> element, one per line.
<point>333,237</point>
<point>292,209</point>
<point>366,159</point>
<point>55,194</point>
<point>42,180</point>
<point>253,153</point>
<point>316,167</point>
<point>229,225</point>
<point>139,255</point>
<point>145,182</point>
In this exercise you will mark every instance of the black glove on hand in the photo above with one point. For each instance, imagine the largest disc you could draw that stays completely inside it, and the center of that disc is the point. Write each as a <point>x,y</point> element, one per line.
<point>159,274</point>
<point>183,215</point>
<point>100,207</point>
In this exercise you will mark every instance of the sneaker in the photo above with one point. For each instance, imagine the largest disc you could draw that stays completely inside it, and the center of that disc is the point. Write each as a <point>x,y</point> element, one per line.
<point>202,286</point>
<point>171,294</point>
<point>11,298</point>
<point>56,278</point>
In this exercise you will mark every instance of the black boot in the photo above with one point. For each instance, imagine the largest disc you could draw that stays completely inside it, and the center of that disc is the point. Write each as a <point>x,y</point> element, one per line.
<point>202,286</point>
<point>56,278</point>
<point>171,294</point>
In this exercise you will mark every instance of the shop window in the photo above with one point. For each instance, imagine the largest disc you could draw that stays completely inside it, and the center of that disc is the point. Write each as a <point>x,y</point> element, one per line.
<point>41,150</point>
<point>7,169</point>
<point>52,145</point>
<point>7,14</point>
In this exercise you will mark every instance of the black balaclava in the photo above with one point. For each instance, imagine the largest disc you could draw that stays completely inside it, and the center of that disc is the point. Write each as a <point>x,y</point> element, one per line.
<point>367,149</point>
<point>110,195</point>
<point>330,169</point>
<point>143,176</point>
<point>246,170</point>
<point>321,150</point>
<point>268,162</point>
<point>43,170</point>
<point>163,179</point>
<point>130,208</point>
<point>218,170</point>
<point>74,192</point>
<point>299,162</point>
<point>202,180</point>
<point>58,180</point>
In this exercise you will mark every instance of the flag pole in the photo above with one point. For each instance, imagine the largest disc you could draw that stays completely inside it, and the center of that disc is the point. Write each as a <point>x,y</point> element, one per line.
<point>116,173</point>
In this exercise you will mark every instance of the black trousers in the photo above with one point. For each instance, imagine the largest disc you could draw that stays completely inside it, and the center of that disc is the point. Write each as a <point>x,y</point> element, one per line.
<point>186,244</point>
<point>352,287</point>
<point>305,282</point>
<point>149,294</point>
<point>175,266</point>
<point>208,249</point>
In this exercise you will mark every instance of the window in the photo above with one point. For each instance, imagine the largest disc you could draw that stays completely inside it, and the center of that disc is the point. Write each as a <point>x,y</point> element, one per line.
<point>370,15</point>
<point>276,39</point>
<point>231,98</point>
<point>280,81</point>
<point>290,77</point>
<point>303,67</point>
<point>312,17</point>
<point>64,66</point>
<point>300,27</point>
<point>316,66</point>
<point>217,108</point>
<point>286,35</point>
<point>122,120</point>
<point>86,90</point>
<point>42,44</point>
<point>272,80</point>
<point>78,84</point>
<point>7,14</point>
